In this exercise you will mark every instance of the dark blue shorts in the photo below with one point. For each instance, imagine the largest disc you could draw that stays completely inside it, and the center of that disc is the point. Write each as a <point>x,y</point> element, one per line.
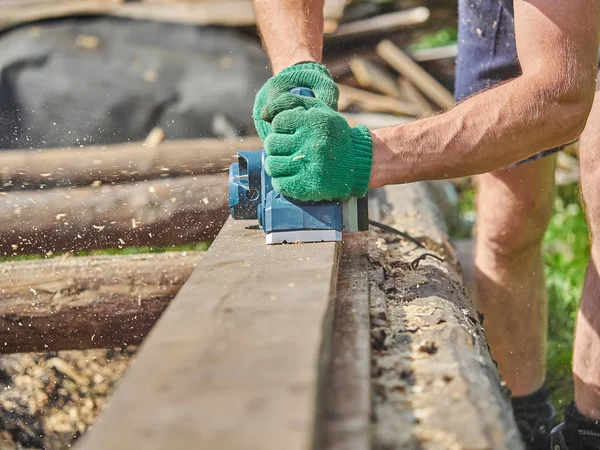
<point>487,52</point>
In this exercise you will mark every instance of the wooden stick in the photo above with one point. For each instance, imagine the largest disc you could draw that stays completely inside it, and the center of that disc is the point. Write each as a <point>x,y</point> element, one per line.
<point>87,302</point>
<point>26,169</point>
<point>384,23</point>
<point>372,77</point>
<point>375,120</point>
<point>433,54</point>
<point>156,213</point>
<point>429,344</point>
<point>233,363</point>
<point>413,95</point>
<point>396,58</point>
<point>374,102</point>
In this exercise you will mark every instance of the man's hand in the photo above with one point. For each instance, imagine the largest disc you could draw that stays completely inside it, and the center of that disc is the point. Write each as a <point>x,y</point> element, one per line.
<point>314,76</point>
<point>313,154</point>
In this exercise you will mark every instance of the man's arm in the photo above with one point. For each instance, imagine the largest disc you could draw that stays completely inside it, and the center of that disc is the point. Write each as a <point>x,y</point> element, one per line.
<point>292,30</point>
<point>557,44</point>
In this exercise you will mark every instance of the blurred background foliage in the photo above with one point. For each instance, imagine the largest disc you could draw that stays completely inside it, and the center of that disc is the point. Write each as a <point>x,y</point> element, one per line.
<point>566,253</point>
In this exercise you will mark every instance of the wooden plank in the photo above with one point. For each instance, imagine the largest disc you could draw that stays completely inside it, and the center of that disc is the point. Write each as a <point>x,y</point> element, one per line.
<point>32,169</point>
<point>87,302</point>
<point>410,70</point>
<point>234,361</point>
<point>156,213</point>
<point>347,412</point>
<point>214,12</point>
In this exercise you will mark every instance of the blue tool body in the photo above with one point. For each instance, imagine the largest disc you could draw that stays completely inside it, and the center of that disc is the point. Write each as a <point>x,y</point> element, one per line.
<point>251,196</point>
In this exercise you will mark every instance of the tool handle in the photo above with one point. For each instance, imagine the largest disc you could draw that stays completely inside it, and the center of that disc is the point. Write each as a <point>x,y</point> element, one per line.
<point>302,91</point>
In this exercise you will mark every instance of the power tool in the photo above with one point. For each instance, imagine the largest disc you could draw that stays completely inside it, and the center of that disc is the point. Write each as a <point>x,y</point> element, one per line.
<point>286,220</point>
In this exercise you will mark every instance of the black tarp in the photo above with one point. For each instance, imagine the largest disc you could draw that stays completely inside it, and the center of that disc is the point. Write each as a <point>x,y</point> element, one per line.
<point>82,81</point>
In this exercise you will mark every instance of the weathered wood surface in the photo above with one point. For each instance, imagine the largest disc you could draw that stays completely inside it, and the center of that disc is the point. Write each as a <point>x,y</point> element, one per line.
<point>87,302</point>
<point>30,169</point>
<point>410,70</point>
<point>435,384</point>
<point>233,363</point>
<point>197,12</point>
<point>156,213</point>
<point>347,400</point>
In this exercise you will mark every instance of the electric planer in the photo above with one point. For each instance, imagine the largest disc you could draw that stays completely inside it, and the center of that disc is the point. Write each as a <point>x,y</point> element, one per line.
<point>286,220</point>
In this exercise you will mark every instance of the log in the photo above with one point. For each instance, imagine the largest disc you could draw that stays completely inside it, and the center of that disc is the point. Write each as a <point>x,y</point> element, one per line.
<point>202,12</point>
<point>234,361</point>
<point>413,95</point>
<point>410,70</point>
<point>156,213</point>
<point>87,302</point>
<point>374,102</point>
<point>435,384</point>
<point>32,169</point>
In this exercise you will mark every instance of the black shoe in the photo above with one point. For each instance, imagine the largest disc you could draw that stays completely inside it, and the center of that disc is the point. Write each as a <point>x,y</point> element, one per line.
<point>576,433</point>
<point>535,416</point>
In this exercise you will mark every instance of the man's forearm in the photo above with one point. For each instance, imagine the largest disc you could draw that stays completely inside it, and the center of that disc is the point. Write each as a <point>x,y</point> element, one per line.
<point>488,131</point>
<point>292,30</point>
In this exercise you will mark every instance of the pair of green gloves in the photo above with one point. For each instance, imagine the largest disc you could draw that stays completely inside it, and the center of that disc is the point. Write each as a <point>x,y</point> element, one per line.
<point>312,152</point>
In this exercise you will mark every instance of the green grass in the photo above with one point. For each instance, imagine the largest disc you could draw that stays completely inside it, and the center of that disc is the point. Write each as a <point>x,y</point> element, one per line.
<point>199,246</point>
<point>566,253</point>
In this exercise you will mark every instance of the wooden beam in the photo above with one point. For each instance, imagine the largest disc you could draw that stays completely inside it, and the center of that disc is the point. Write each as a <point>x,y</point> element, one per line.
<point>156,213</point>
<point>234,361</point>
<point>30,169</point>
<point>87,302</point>
<point>410,70</point>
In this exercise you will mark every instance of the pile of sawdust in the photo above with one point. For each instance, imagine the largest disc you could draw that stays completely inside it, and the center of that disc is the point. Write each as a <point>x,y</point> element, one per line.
<point>47,400</point>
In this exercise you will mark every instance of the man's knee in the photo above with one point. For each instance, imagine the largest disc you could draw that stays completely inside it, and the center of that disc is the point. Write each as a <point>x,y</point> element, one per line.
<point>513,212</point>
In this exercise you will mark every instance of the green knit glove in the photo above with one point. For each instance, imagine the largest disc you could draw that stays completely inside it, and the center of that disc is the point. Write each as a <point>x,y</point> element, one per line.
<point>312,152</point>
<point>314,76</point>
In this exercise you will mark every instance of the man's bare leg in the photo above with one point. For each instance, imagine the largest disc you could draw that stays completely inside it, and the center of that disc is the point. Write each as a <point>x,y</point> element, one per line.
<point>586,354</point>
<point>514,207</point>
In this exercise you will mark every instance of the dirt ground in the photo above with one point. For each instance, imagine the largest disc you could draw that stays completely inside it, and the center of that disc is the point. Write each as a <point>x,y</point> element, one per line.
<point>47,400</point>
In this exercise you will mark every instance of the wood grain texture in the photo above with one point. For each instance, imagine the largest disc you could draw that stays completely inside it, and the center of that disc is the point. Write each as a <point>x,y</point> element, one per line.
<point>156,213</point>
<point>234,361</point>
<point>30,169</point>
<point>87,302</point>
